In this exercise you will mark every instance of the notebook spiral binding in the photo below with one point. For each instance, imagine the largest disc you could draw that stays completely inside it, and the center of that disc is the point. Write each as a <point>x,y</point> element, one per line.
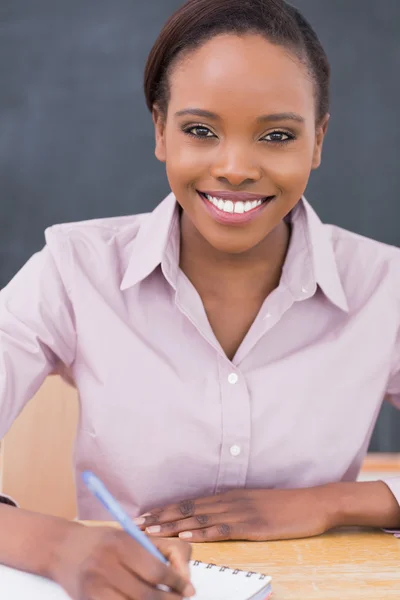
<point>197,563</point>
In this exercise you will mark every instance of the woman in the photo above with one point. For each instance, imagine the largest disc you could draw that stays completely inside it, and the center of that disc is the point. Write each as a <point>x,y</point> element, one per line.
<point>231,352</point>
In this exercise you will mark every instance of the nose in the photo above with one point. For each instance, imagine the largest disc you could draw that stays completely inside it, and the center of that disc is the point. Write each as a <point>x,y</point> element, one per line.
<point>235,166</point>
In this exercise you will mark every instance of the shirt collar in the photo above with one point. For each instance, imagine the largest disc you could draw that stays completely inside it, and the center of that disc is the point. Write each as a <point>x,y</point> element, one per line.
<point>310,259</point>
<point>158,232</point>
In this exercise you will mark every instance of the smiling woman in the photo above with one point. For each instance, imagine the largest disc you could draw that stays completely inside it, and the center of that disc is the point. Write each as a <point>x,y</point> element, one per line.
<point>249,346</point>
<point>266,153</point>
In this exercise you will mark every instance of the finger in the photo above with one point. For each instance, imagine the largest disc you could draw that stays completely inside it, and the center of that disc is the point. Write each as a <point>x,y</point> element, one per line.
<point>173,512</point>
<point>142,564</point>
<point>107,593</point>
<point>216,533</point>
<point>178,553</point>
<point>144,590</point>
<point>238,530</point>
<point>175,527</point>
<point>139,590</point>
<point>183,509</point>
<point>121,583</point>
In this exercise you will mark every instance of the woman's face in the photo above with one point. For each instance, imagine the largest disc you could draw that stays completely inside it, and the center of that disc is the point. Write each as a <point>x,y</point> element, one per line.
<point>239,140</point>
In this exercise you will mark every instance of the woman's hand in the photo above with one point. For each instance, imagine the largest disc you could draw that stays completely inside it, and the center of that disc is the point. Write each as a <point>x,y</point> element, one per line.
<point>105,563</point>
<point>243,514</point>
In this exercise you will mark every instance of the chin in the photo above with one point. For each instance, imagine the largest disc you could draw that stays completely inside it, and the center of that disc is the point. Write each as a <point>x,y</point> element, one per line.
<point>233,246</point>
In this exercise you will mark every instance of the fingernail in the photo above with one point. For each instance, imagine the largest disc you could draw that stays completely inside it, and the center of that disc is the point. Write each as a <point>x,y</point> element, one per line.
<point>146,515</point>
<point>139,521</point>
<point>186,535</point>
<point>153,529</point>
<point>189,590</point>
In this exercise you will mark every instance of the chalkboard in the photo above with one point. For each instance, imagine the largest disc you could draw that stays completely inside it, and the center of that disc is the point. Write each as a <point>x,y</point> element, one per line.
<point>76,140</point>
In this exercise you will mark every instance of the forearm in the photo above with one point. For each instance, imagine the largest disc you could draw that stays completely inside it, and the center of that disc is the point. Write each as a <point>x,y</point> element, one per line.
<point>367,504</point>
<point>28,541</point>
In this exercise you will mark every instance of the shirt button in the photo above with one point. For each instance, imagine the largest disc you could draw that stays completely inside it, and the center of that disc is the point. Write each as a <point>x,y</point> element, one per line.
<point>233,378</point>
<point>235,450</point>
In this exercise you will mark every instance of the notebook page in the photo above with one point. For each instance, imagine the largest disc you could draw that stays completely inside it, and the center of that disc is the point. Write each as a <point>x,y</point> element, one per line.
<point>17,585</point>
<point>220,583</point>
<point>211,583</point>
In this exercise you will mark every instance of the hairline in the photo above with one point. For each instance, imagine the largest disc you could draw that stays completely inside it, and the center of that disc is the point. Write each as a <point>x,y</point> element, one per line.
<point>299,55</point>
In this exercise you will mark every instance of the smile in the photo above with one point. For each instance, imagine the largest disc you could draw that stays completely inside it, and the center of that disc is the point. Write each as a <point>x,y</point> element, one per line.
<point>234,208</point>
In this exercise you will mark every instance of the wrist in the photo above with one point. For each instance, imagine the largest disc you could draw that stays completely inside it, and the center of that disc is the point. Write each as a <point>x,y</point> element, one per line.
<point>29,541</point>
<point>57,539</point>
<point>361,503</point>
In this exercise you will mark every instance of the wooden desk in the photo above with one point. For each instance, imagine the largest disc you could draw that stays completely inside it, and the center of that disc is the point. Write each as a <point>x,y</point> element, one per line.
<point>341,565</point>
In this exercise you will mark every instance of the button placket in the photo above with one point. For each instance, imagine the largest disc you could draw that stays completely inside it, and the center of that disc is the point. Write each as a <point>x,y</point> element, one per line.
<point>236,427</point>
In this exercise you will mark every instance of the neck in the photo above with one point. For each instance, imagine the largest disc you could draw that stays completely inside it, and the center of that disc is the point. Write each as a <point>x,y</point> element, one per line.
<point>255,272</point>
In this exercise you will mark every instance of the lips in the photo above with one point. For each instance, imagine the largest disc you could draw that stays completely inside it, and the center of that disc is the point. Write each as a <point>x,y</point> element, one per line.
<point>234,211</point>
<point>234,196</point>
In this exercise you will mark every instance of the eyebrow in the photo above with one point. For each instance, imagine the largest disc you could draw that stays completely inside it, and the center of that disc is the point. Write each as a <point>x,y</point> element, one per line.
<point>284,116</point>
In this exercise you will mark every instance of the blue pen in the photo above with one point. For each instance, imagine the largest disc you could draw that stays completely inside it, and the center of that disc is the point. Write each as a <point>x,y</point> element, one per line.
<point>99,490</point>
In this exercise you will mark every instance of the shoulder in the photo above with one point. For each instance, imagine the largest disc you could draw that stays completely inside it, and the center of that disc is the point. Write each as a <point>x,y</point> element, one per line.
<point>101,230</point>
<point>82,238</point>
<point>365,264</point>
<point>347,242</point>
<point>96,250</point>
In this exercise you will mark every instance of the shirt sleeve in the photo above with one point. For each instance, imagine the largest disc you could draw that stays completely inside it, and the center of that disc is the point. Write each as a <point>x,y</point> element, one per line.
<point>393,387</point>
<point>393,396</point>
<point>36,328</point>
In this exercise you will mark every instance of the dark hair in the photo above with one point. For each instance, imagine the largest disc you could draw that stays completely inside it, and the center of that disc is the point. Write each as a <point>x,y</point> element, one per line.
<point>199,20</point>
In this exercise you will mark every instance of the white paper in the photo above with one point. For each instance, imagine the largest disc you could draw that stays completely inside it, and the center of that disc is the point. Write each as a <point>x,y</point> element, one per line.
<point>210,584</point>
<point>217,584</point>
<point>17,585</point>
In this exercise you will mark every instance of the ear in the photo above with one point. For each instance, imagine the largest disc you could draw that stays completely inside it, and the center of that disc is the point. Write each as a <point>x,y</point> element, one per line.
<point>159,130</point>
<point>319,140</point>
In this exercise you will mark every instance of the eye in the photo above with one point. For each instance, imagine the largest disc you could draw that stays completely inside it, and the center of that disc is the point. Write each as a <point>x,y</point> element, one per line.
<point>199,131</point>
<point>279,137</point>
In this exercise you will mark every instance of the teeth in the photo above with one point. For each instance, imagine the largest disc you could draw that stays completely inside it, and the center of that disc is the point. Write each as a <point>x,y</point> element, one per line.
<point>233,207</point>
<point>247,206</point>
<point>228,206</point>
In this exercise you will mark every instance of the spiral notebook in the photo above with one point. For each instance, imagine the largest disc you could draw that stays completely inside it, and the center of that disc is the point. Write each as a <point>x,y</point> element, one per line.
<point>212,582</point>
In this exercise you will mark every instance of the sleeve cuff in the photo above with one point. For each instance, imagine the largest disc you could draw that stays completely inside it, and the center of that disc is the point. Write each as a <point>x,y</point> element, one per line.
<point>4,499</point>
<point>394,485</point>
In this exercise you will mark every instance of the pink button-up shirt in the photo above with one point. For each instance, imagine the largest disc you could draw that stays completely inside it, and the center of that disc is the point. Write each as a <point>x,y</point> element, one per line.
<point>165,415</point>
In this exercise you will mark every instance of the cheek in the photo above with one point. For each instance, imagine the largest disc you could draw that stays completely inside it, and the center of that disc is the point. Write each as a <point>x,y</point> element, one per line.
<point>184,158</point>
<point>289,168</point>
<point>186,164</point>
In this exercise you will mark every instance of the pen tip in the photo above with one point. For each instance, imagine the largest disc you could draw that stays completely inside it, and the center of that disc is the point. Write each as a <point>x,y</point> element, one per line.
<point>86,475</point>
